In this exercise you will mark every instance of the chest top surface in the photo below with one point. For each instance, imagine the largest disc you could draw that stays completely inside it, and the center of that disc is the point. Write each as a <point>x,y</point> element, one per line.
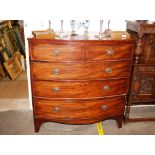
<point>116,37</point>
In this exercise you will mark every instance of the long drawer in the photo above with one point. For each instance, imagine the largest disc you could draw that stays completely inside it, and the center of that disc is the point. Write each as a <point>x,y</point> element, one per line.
<point>86,89</point>
<point>56,52</point>
<point>79,109</point>
<point>106,52</point>
<point>71,71</point>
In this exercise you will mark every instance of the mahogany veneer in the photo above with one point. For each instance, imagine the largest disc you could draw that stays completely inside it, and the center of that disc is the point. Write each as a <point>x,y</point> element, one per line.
<point>79,81</point>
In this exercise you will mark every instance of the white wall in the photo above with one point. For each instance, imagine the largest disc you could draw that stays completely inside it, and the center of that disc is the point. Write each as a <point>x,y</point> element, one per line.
<point>31,25</point>
<point>55,24</point>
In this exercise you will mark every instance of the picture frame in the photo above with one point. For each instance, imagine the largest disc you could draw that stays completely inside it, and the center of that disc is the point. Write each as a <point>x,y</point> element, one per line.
<point>4,54</point>
<point>17,55</point>
<point>14,40</point>
<point>4,50</point>
<point>13,67</point>
<point>2,73</point>
<point>6,24</point>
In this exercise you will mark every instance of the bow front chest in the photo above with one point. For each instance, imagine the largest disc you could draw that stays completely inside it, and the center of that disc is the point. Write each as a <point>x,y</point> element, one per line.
<point>79,81</point>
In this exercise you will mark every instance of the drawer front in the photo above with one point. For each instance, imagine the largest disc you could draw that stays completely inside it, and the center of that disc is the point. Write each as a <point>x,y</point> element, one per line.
<point>79,109</point>
<point>71,71</point>
<point>93,89</point>
<point>109,52</point>
<point>55,52</point>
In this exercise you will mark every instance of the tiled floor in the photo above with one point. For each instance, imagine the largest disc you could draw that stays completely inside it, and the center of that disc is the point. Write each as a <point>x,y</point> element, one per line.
<point>14,94</point>
<point>20,122</point>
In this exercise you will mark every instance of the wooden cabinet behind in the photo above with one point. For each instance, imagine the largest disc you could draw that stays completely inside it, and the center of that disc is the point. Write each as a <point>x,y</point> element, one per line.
<point>143,82</point>
<point>79,81</point>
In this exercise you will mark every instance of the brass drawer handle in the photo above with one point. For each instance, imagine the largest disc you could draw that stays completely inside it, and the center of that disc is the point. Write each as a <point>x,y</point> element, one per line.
<point>108,70</point>
<point>56,52</point>
<point>104,107</point>
<point>56,109</point>
<point>106,88</point>
<point>110,52</point>
<point>56,71</point>
<point>56,89</point>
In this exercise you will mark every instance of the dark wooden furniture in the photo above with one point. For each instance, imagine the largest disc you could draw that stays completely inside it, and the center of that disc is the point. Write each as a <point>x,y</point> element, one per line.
<point>79,81</point>
<point>143,82</point>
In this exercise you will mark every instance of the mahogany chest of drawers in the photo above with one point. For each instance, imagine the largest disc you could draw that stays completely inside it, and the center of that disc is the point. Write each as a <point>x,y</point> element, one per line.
<point>79,81</point>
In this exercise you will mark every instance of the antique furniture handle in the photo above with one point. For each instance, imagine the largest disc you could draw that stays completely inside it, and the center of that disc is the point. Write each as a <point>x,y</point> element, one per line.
<point>104,107</point>
<point>108,70</point>
<point>56,51</point>
<point>56,109</point>
<point>110,52</point>
<point>106,88</point>
<point>56,71</point>
<point>56,89</point>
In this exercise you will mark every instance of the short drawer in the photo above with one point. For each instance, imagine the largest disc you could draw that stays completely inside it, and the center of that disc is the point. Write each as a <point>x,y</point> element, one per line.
<point>54,52</point>
<point>109,52</point>
<point>79,109</point>
<point>89,89</point>
<point>73,71</point>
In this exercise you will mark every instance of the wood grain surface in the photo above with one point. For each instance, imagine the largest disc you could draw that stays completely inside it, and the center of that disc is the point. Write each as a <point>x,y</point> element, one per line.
<point>86,89</point>
<point>79,109</point>
<point>77,71</point>
<point>79,81</point>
